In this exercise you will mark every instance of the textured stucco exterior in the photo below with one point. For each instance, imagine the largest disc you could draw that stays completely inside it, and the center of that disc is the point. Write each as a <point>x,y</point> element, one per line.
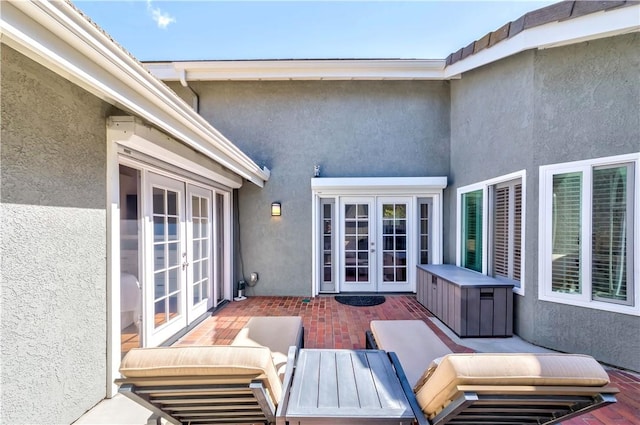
<point>545,107</point>
<point>53,244</point>
<point>350,129</point>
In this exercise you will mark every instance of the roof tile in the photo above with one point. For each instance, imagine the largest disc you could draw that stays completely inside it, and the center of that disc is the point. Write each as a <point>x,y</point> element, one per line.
<point>555,12</point>
<point>585,7</point>
<point>499,34</point>
<point>516,27</point>
<point>481,44</point>
<point>467,51</point>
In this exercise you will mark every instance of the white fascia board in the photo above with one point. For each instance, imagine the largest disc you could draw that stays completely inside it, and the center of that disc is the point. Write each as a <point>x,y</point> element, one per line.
<point>61,39</point>
<point>589,27</point>
<point>364,185</point>
<point>356,69</point>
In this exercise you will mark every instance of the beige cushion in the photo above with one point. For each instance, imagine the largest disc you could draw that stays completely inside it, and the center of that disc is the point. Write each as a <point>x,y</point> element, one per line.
<point>224,362</point>
<point>415,344</point>
<point>506,369</point>
<point>277,333</point>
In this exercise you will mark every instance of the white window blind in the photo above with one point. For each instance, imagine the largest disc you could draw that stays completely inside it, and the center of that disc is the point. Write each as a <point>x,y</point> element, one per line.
<point>612,220</point>
<point>517,232</point>
<point>501,232</point>
<point>507,227</point>
<point>566,232</point>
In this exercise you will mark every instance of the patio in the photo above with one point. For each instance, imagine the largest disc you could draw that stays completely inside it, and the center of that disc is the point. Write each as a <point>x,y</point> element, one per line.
<point>329,324</point>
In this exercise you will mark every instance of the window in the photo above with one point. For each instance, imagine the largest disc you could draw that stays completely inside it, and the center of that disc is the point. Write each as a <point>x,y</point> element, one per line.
<point>472,230</point>
<point>424,226</point>
<point>506,230</point>
<point>490,228</point>
<point>587,233</point>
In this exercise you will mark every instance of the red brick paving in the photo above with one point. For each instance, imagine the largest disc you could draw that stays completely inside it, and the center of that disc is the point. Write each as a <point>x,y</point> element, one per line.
<point>329,324</point>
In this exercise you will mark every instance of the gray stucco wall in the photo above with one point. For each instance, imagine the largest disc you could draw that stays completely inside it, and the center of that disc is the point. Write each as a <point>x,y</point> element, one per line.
<point>544,107</point>
<point>363,129</point>
<point>53,244</point>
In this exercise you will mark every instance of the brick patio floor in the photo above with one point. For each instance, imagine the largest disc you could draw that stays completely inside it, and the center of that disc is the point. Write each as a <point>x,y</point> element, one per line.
<point>329,324</point>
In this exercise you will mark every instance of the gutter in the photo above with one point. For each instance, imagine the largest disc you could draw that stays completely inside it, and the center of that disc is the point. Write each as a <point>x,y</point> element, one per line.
<point>58,36</point>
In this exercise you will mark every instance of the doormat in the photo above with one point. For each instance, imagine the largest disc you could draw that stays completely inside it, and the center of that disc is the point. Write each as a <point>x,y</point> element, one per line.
<point>360,300</point>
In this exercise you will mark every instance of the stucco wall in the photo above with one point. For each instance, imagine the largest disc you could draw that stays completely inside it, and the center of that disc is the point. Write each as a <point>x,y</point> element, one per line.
<point>362,129</point>
<point>53,243</point>
<point>545,107</point>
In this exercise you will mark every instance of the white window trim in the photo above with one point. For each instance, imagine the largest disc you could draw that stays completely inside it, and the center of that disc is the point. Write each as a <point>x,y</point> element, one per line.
<point>416,187</point>
<point>545,226</point>
<point>484,186</point>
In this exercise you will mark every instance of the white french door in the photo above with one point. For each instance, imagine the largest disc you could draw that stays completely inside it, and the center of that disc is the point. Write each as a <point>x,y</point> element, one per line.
<point>357,251</point>
<point>199,257</point>
<point>375,252</point>
<point>166,259</point>
<point>394,236</point>
<point>181,261</point>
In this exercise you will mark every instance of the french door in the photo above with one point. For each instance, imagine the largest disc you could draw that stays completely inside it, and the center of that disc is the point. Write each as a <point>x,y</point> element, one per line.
<point>179,269</point>
<point>375,252</point>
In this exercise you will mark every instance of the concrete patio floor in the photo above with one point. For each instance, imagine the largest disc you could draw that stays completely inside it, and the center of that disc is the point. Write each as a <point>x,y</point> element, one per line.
<point>329,324</point>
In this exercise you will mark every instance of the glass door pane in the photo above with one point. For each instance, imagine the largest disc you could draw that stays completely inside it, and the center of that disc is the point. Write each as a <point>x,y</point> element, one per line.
<point>165,299</point>
<point>357,246</point>
<point>395,256</point>
<point>394,242</point>
<point>200,266</point>
<point>130,243</point>
<point>167,253</point>
<point>220,248</point>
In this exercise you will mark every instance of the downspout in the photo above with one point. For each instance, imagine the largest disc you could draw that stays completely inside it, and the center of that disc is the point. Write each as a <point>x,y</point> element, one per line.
<point>195,101</point>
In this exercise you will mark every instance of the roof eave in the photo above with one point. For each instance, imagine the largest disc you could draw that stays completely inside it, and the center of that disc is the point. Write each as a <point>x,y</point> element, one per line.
<point>554,34</point>
<point>320,69</point>
<point>56,35</point>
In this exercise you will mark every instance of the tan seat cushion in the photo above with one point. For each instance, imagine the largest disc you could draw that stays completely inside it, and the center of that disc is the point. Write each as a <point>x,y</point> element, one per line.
<point>413,341</point>
<point>277,333</point>
<point>506,369</point>
<point>225,362</point>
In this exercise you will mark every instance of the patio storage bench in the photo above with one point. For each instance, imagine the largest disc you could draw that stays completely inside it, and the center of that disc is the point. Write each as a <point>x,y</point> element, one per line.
<point>469,303</point>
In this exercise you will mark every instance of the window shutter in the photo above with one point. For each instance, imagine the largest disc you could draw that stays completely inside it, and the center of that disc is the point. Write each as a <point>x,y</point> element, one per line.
<point>566,219</point>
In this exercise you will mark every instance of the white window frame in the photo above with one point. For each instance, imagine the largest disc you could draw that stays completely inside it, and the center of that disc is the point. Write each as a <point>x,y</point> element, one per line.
<point>486,216</point>
<point>584,299</point>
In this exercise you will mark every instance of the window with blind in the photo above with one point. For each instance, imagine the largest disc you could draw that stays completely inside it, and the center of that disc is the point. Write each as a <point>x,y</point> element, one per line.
<point>587,234</point>
<point>611,233</point>
<point>491,233</point>
<point>566,218</point>
<point>506,229</point>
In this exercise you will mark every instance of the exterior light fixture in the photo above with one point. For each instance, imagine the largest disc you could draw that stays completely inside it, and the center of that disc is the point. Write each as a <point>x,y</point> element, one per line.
<point>275,209</point>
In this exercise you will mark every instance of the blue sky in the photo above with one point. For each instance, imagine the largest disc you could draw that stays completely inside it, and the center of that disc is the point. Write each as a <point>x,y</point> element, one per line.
<point>154,30</point>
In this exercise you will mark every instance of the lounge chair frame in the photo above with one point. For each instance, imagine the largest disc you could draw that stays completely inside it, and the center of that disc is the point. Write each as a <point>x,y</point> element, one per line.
<point>510,405</point>
<point>190,401</point>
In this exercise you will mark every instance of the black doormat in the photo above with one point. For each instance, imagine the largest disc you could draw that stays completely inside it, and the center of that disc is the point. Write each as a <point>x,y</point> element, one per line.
<point>360,300</point>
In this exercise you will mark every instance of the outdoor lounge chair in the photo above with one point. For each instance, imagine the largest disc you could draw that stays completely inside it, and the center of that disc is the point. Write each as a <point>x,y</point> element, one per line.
<point>492,388</point>
<point>241,383</point>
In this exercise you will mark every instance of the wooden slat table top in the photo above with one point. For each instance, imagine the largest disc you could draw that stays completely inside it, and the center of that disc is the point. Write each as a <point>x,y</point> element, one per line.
<point>346,386</point>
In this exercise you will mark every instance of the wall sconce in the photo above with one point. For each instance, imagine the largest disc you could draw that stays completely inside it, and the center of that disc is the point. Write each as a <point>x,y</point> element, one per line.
<point>276,210</point>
